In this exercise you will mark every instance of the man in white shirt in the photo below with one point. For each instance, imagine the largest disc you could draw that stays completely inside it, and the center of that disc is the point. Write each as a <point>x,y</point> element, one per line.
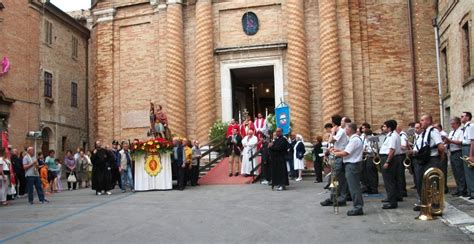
<point>431,138</point>
<point>468,150</point>
<point>454,142</point>
<point>339,139</point>
<point>352,158</point>
<point>404,146</point>
<point>391,156</point>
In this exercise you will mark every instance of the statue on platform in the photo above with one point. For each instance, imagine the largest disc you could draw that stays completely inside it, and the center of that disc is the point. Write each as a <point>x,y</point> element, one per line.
<point>158,122</point>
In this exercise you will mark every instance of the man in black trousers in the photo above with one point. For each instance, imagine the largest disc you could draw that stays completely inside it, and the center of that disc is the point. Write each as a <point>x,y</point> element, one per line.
<point>179,165</point>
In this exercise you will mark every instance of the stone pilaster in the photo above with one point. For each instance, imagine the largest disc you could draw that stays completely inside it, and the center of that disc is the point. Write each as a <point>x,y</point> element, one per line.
<point>204,69</point>
<point>103,78</point>
<point>330,62</point>
<point>298,85</point>
<point>175,70</point>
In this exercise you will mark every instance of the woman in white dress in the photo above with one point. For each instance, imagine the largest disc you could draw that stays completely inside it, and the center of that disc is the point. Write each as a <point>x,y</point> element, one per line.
<point>298,156</point>
<point>250,147</point>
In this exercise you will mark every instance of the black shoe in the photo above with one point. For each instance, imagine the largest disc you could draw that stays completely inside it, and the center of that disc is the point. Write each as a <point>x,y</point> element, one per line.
<point>400,199</point>
<point>326,186</point>
<point>404,194</point>
<point>236,174</point>
<point>446,190</point>
<point>355,212</point>
<point>413,187</point>
<point>373,192</point>
<point>470,198</point>
<point>348,199</point>
<point>230,174</point>
<point>384,200</point>
<point>465,194</point>
<point>326,203</point>
<point>389,206</point>
<point>416,208</point>
<point>456,194</point>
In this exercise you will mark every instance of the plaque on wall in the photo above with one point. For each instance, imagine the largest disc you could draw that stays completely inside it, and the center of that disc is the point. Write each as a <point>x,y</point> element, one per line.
<point>250,23</point>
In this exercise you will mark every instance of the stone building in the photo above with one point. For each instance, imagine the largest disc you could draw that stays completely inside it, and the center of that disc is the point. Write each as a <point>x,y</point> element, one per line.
<point>455,20</point>
<point>45,88</point>
<point>205,60</point>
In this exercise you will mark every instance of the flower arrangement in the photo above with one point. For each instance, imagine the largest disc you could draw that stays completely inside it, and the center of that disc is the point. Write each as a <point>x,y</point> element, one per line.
<point>153,146</point>
<point>218,131</point>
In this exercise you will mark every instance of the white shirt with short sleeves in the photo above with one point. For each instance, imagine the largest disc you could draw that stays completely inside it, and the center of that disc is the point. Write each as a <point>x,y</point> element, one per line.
<point>455,135</point>
<point>391,141</point>
<point>341,139</point>
<point>355,149</point>
<point>468,134</point>
<point>403,141</point>
<point>435,139</point>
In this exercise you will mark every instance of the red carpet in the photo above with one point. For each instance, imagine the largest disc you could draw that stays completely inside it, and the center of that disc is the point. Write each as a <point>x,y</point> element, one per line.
<point>219,175</point>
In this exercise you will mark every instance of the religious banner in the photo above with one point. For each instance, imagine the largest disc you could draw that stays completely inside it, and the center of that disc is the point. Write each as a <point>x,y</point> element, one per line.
<point>282,114</point>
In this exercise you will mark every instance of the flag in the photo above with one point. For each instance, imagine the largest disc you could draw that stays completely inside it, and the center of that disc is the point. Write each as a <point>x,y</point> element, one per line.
<point>282,119</point>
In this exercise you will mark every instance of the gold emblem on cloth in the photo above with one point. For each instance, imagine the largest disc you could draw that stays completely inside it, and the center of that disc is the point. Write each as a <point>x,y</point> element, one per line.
<point>153,165</point>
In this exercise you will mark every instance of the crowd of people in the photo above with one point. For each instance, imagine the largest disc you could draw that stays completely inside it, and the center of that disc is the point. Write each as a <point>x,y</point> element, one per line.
<point>353,150</point>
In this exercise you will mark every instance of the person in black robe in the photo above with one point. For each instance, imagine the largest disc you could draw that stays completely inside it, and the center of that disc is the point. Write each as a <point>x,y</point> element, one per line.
<point>103,162</point>
<point>278,150</point>
<point>318,160</point>
<point>266,170</point>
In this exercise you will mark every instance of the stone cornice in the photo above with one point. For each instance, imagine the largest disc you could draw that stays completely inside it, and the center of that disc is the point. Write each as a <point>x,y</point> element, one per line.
<point>104,15</point>
<point>174,1</point>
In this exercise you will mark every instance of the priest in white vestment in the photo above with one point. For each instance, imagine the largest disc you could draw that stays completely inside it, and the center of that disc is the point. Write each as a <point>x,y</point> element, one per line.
<point>250,148</point>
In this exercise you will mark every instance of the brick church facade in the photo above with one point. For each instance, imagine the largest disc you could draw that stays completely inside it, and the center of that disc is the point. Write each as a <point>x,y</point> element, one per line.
<point>370,60</point>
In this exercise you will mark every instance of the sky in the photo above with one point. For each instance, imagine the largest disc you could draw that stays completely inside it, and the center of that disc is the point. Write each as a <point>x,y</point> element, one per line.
<point>69,5</point>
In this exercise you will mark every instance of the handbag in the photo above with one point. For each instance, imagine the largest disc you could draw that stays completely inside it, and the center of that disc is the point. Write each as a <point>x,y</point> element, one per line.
<point>71,178</point>
<point>11,190</point>
<point>424,153</point>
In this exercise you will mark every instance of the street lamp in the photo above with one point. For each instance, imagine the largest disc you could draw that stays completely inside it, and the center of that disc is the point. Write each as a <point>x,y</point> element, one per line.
<point>34,135</point>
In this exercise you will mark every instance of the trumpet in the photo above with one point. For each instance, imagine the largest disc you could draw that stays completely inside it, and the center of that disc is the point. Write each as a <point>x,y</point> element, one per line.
<point>468,161</point>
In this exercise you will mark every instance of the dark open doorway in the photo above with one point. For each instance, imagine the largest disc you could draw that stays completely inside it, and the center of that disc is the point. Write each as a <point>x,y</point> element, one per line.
<point>253,90</point>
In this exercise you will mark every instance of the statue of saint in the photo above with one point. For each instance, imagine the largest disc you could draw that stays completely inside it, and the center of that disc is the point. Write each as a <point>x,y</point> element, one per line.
<point>158,121</point>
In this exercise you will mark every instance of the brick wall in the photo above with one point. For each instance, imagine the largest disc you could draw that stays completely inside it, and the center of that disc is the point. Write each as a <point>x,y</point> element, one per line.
<point>374,52</point>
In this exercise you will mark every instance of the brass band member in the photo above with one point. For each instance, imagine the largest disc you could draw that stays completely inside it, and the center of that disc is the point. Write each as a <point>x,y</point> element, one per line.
<point>339,139</point>
<point>369,169</point>
<point>428,152</point>
<point>404,146</point>
<point>468,151</point>
<point>390,154</point>
<point>352,158</point>
<point>454,142</point>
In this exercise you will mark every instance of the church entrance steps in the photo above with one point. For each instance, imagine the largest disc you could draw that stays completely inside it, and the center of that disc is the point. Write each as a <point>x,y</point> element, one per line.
<point>219,175</point>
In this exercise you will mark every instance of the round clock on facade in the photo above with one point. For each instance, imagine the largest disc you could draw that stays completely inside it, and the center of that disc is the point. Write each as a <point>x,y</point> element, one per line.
<point>250,23</point>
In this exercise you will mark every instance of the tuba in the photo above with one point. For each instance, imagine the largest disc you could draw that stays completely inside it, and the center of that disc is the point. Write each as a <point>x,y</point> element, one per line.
<point>432,194</point>
<point>467,161</point>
